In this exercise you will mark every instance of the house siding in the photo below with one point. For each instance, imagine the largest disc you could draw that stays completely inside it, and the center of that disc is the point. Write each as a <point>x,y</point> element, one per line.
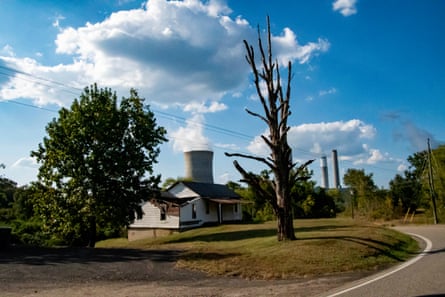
<point>187,220</point>
<point>191,205</point>
<point>181,191</point>
<point>231,212</point>
<point>151,218</point>
<point>150,225</point>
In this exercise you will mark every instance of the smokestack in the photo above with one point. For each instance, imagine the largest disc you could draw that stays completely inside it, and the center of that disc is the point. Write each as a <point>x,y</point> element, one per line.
<point>324,173</point>
<point>199,166</point>
<point>335,165</point>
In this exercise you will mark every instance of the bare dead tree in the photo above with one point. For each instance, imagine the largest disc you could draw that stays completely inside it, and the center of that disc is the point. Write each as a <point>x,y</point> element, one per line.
<point>276,107</point>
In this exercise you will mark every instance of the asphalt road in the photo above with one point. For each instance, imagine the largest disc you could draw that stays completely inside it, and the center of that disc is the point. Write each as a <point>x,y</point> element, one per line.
<point>422,276</point>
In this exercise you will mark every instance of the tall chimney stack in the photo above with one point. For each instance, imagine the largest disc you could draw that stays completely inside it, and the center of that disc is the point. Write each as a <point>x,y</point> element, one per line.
<point>199,166</point>
<point>324,173</point>
<point>336,173</point>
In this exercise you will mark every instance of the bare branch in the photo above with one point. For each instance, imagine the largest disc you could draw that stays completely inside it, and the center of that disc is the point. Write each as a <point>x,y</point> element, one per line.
<point>256,115</point>
<point>296,176</point>
<point>289,79</point>
<point>259,159</point>
<point>256,184</point>
<point>267,141</point>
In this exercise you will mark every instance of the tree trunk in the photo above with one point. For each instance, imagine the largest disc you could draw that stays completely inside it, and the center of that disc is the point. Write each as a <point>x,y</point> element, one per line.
<point>285,222</point>
<point>92,231</point>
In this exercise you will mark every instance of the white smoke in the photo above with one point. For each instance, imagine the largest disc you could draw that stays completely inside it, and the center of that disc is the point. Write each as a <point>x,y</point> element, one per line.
<point>191,137</point>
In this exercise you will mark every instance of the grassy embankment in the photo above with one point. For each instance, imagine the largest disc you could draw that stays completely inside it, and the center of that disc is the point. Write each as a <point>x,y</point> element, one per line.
<point>324,246</point>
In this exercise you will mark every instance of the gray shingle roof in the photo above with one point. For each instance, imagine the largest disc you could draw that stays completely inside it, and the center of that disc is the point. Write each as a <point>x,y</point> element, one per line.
<point>206,190</point>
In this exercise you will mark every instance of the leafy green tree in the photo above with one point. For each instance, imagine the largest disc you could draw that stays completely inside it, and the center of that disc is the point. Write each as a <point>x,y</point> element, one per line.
<point>318,204</point>
<point>96,164</point>
<point>363,190</point>
<point>7,190</point>
<point>419,169</point>
<point>405,191</point>
<point>23,206</point>
<point>257,208</point>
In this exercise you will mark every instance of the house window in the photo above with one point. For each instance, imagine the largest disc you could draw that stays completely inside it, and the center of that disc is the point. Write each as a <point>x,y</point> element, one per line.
<point>235,208</point>
<point>163,213</point>
<point>193,211</point>
<point>207,206</point>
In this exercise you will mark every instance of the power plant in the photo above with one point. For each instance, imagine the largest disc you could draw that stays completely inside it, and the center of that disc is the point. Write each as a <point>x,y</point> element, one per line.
<point>324,171</point>
<point>336,173</point>
<point>199,166</point>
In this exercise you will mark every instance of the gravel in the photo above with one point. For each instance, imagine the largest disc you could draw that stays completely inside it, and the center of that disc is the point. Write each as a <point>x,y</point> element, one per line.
<point>30,271</point>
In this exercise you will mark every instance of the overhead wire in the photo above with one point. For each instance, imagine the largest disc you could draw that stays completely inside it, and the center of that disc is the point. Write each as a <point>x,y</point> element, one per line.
<point>214,128</point>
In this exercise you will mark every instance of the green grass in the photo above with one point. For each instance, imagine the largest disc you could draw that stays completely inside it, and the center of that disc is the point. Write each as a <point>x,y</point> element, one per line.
<point>324,246</point>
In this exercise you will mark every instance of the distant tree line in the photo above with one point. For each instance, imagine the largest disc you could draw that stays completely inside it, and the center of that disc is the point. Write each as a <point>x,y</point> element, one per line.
<point>409,193</point>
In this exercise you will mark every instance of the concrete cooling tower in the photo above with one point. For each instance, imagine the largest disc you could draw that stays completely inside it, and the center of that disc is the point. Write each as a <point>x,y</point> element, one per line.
<point>199,166</point>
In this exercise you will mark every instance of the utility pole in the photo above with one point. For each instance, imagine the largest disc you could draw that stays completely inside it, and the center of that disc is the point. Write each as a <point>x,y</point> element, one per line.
<point>431,183</point>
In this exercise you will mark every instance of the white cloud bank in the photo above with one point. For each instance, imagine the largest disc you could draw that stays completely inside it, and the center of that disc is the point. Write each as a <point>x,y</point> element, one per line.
<point>348,137</point>
<point>173,52</point>
<point>345,7</point>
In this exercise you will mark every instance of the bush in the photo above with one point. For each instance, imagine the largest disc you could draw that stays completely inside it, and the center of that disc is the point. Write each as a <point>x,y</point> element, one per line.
<point>29,233</point>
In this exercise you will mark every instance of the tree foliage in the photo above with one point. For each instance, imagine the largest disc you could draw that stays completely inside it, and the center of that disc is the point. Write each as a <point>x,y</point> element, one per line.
<point>308,201</point>
<point>96,164</point>
<point>275,102</point>
<point>406,191</point>
<point>419,180</point>
<point>363,190</point>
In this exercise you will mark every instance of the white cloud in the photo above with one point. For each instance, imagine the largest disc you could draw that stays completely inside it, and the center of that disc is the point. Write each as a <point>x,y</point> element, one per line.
<point>191,137</point>
<point>8,51</point>
<point>203,108</point>
<point>402,167</point>
<point>371,156</point>
<point>57,19</point>
<point>346,7</point>
<point>327,92</point>
<point>25,162</point>
<point>348,137</point>
<point>173,52</point>
<point>289,49</point>
<point>224,178</point>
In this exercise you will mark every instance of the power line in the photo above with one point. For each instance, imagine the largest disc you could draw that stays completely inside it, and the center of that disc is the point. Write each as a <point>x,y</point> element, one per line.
<point>29,105</point>
<point>38,79</point>
<point>47,83</point>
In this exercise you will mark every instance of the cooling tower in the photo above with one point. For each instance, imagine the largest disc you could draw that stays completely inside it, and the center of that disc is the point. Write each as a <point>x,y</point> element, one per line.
<point>335,165</point>
<point>199,166</point>
<point>324,173</point>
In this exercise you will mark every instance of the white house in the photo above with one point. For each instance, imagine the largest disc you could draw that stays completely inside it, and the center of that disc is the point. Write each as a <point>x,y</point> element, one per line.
<point>187,205</point>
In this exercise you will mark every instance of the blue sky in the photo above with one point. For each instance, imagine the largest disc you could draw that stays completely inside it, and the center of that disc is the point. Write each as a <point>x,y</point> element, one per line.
<point>368,76</point>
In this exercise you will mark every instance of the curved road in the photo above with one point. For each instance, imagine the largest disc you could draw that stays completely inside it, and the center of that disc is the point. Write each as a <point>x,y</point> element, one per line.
<point>421,276</point>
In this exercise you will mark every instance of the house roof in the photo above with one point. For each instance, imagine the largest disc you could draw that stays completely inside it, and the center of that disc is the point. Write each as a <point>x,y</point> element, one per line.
<point>210,191</point>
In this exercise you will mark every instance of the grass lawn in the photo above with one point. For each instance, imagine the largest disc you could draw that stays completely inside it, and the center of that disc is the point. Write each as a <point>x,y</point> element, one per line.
<point>323,246</point>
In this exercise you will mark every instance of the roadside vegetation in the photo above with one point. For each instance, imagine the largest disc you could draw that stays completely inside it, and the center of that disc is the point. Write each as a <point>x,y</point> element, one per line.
<point>323,247</point>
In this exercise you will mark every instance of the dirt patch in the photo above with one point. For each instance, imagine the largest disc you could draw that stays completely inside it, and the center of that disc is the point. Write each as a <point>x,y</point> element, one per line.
<point>38,272</point>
